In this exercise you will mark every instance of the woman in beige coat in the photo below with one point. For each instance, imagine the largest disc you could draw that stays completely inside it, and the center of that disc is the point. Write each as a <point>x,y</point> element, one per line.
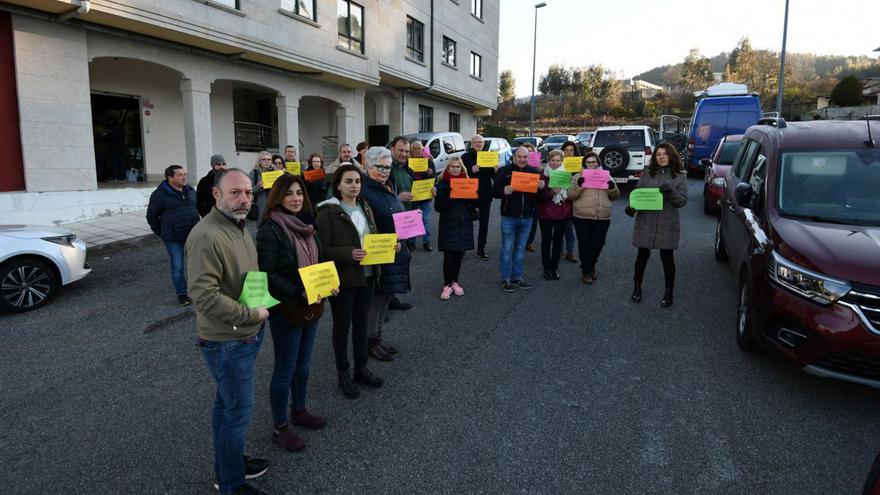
<point>591,217</point>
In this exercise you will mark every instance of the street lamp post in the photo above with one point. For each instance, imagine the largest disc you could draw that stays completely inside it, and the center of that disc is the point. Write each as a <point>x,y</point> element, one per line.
<point>782,64</point>
<point>534,50</point>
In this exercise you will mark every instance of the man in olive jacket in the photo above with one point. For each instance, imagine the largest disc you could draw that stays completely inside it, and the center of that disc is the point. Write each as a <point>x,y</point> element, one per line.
<point>219,253</point>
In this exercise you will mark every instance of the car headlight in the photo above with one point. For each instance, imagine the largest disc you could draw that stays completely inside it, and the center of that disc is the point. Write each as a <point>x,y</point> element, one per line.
<point>807,283</point>
<point>718,182</point>
<point>62,240</point>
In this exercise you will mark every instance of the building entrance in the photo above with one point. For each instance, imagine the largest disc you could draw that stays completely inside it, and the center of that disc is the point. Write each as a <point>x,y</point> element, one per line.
<point>119,148</point>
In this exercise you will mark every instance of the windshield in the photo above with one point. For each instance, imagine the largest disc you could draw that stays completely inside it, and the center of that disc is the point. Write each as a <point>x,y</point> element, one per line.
<point>556,139</point>
<point>728,152</point>
<point>632,139</point>
<point>832,186</point>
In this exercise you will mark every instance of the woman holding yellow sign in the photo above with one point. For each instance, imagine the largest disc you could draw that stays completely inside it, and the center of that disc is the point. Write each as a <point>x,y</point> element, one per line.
<point>663,192</point>
<point>287,241</point>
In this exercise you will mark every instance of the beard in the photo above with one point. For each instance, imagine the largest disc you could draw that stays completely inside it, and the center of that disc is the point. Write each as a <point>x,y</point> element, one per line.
<point>238,212</point>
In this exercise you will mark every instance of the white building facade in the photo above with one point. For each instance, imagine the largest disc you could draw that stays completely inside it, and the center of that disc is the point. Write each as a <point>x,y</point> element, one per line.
<point>110,92</point>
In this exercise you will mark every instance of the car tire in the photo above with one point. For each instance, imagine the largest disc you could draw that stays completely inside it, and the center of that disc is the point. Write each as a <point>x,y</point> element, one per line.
<point>720,251</point>
<point>26,284</point>
<point>745,337</point>
<point>614,159</point>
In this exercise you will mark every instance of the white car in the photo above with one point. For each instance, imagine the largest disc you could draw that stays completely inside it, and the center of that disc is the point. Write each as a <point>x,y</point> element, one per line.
<point>623,150</point>
<point>35,262</point>
<point>502,146</point>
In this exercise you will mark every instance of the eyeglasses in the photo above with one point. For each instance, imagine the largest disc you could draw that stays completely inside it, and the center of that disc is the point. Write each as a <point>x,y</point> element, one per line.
<point>278,163</point>
<point>592,162</point>
<point>382,168</point>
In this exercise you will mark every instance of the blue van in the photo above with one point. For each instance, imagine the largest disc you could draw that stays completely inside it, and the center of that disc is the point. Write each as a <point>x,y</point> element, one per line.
<point>725,109</point>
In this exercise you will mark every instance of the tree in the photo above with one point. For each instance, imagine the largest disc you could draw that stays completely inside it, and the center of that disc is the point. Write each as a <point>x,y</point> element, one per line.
<point>556,81</point>
<point>506,86</point>
<point>695,72</point>
<point>847,93</point>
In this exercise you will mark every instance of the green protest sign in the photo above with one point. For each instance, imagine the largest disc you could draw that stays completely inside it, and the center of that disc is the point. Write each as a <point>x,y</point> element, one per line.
<point>646,198</point>
<point>255,291</point>
<point>560,178</point>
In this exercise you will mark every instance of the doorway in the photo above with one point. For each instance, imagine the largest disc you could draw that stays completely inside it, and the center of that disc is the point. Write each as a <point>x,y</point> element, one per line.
<point>119,148</point>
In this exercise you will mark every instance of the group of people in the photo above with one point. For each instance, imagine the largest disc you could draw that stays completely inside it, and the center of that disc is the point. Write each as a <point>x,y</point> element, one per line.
<point>204,229</point>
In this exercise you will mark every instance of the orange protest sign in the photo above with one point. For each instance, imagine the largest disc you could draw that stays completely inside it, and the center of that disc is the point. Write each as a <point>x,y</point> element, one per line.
<point>314,175</point>
<point>464,188</point>
<point>524,182</point>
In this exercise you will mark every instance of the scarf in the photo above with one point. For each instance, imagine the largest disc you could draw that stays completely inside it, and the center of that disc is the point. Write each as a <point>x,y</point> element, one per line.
<point>447,177</point>
<point>301,235</point>
<point>562,195</point>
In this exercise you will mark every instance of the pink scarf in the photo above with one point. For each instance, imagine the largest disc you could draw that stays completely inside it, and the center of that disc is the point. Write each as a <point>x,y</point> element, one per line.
<point>301,235</point>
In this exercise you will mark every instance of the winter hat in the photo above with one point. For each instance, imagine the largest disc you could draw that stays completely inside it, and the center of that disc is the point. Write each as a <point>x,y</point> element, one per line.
<point>217,159</point>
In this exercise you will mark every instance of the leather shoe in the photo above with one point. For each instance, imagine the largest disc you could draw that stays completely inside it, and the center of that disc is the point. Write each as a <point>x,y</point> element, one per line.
<point>587,279</point>
<point>287,439</point>
<point>388,347</point>
<point>399,305</point>
<point>302,417</point>
<point>530,248</point>
<point>377,352</point>
<point>346,386</point>
<point>570,257</point>
<point>365,376</point>
<point>427,247</point>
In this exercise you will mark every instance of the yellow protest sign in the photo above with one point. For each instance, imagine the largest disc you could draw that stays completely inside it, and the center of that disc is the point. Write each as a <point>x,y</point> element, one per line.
<point>487,159</point>
<point>421,189</point>
<point>572,164</point>
<point>294,168</point>
<point>319,280</point>
<point>380,249</point>
<point>269,178</point>
<point>418,164</point>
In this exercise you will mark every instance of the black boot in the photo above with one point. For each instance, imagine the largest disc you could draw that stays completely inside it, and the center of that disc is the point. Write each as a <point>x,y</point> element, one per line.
<point>667,298</point>
<point>363,375</point>
<point>346,386</point>
<point>637,293</point>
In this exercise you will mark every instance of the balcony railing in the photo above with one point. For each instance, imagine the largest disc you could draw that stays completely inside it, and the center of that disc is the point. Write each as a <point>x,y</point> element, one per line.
<point>253,136</point>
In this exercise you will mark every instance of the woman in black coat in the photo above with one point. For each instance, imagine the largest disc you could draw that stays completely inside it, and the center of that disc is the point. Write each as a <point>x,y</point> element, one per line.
<point>456,227</point>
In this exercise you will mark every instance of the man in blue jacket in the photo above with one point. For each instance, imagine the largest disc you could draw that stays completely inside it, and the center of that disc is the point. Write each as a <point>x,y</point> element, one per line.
<point>172,213</point>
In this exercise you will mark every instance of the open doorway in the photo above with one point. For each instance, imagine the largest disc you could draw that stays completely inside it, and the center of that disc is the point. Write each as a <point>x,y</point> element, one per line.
<point>119,148</point>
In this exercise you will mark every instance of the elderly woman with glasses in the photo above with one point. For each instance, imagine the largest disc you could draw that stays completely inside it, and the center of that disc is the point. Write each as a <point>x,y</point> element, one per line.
<point>264,164</point>
<point>591,216</point>
<point>382,196</point>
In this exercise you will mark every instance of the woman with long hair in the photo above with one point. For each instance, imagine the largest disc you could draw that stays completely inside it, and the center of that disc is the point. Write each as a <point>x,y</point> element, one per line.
<point>456,227</point>
<point>318,188</point>
<point>263,164</point>
<point>660,229</point>
<point>554,213</point>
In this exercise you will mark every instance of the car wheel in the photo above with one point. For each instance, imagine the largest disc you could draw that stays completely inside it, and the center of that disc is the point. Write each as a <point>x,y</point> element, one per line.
<point>26,284</point>
<point>744,319</point>
<point>720,251</point>
<point>614,159</point>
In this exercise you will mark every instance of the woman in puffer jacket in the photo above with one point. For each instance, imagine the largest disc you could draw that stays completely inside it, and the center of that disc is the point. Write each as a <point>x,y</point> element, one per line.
<point>591,217</point>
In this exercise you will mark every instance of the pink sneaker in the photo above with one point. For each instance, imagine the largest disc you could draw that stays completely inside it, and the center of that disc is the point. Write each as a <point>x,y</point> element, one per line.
<point>457,289</point>
<point>447,291</point>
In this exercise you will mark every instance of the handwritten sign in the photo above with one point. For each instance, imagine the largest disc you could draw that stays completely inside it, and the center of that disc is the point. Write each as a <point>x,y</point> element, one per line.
<point>487,159</point>
<point>464,188</point>
<point>294,168</point>
<point>646,198</point>
<point>314,175</point>
<point>255,291</point>
<point>524,182</point>
<point>535,159</point>
<point>379,248</point>
<point>421,190</point>
<point>572,164</point>
<point>319,280</point>
<point>418,164</point>
<point>596,178</point>
<point>408,224</point>
<point>559,178</point>
<point>269,178</point>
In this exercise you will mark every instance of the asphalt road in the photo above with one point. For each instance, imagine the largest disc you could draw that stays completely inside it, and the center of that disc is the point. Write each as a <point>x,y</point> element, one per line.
<point>562,389</point>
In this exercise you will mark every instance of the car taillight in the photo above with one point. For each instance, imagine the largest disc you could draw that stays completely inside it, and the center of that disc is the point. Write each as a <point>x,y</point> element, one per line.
<point>691,145</point>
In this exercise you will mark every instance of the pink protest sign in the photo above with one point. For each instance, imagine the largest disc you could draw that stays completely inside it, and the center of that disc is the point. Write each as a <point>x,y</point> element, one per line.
<point>408,224</point>
<point>535,159</point>
<point>426,153</point>
<point>596,178</point>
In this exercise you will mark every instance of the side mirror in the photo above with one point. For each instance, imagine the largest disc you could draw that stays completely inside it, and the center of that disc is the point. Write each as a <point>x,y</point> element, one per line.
<point>706,162</point>
<point>743,194</point>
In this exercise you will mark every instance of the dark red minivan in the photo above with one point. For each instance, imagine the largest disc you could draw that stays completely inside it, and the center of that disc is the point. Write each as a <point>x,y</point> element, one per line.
<point>800,227</point>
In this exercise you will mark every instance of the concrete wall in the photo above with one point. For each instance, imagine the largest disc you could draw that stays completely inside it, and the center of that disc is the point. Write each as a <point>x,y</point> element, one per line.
<point>56,208</point>
<point>317,118</point>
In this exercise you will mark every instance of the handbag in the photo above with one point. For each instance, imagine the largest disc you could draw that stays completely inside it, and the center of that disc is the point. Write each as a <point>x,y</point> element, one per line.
<point>300,315</point>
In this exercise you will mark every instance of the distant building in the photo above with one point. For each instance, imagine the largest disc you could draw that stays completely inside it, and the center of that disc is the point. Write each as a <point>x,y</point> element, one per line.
<point>871,90</point>
<point>644,88</point>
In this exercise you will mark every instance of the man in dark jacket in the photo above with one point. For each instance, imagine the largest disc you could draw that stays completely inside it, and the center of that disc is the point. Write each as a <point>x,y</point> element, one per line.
<point>517,214</point>
<point>204,197</point>
<point>486,175</point>
<point>172,214</point>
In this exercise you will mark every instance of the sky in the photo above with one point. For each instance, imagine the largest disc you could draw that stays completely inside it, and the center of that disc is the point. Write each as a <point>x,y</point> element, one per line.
<point>633,36</point>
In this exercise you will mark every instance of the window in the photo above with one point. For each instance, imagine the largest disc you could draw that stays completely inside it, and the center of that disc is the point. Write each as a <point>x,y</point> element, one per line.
<point>232,4</point>
<point>454,122</point>
<point>304,8</point>
<point>449,51</point>
<point>477,8</point>
<point>351,26</point>
<point>415,39</point>
<point>476,65</point>
<point>426,119</point>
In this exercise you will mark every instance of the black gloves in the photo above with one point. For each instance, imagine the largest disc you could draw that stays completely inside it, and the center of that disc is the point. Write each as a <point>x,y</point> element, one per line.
<point>610,184</point>
<point>580,181</point>
<point>665,188</point>
<point>630,211</point>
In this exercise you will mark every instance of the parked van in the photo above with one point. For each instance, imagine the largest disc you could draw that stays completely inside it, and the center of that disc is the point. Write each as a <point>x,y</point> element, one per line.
<point>442,145</point>
<point>723,109</point>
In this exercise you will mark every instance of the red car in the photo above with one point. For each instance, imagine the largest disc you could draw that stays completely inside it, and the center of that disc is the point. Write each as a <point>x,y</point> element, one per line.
<point>800,227</point>
<point>716,167</point>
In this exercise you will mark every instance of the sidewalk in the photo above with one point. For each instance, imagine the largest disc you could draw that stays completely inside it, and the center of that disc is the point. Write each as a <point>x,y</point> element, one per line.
<point>105,230</point>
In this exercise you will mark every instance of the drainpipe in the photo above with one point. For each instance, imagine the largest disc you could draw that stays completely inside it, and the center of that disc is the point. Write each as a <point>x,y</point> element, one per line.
<point>81,10</point>
<point>432,46</point>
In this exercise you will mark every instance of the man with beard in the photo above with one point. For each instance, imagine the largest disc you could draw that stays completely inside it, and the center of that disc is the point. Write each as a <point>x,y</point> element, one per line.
<point>219,253</point>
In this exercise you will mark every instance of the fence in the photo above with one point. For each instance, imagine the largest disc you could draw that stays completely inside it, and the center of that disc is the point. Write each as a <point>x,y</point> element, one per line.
<point>253,136</point>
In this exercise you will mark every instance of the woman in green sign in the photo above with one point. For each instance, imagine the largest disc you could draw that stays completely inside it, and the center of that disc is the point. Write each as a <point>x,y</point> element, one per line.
<point>659,229</point>
<point>554,212</point>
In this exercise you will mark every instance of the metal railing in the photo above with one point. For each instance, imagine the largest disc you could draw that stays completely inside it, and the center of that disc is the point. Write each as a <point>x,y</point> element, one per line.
<point>253,136</point>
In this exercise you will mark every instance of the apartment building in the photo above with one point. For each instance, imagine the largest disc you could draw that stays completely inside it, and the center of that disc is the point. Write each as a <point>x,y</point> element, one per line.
<point>98,97</point>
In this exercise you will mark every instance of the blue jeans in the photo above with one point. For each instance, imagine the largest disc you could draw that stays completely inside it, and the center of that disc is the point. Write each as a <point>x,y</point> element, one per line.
<point>514,232</point>
<point>569,237</point>
<point>426,207</point>
<point>178,265</point>
<point>293,354</point>
<point>232,367</point>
